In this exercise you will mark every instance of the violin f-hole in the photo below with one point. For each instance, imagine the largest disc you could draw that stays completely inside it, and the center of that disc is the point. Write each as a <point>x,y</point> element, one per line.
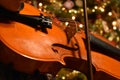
<point>66,47</point>
<point>55,50</point>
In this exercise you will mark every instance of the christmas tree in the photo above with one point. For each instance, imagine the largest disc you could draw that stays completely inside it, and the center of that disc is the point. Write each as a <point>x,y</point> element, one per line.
<point>103,15</point>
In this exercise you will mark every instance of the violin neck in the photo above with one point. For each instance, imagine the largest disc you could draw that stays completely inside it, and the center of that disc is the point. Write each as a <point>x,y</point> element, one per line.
<point>30,20</point>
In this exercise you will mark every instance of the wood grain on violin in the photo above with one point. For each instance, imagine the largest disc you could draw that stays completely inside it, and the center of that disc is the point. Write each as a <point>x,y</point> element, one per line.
<point>30,43</point>
<point>101,62</point>
<point>23,46</point>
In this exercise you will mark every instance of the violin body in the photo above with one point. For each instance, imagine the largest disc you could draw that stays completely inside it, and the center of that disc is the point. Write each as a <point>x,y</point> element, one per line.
<point>104,67</point>
<point>29,50</point>
<point>26,45</point>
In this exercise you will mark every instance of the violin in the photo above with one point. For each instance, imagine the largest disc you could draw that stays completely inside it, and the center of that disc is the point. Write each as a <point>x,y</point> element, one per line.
<point>105,63</point>
<point>28,42</point>
<point>31,47</point>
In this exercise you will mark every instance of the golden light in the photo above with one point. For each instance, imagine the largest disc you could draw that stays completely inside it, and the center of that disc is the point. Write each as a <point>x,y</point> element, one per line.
<point>93,10</point>
<point>40,4</point>
<point>110,38</point>
<point>66,23</point>
<point>110,13</point>
<point>63,78</point>
<point>75,12</point>
<point>102,9</point>
<point>81,10</point>
<point>114,27</point>
<point>88,9</point>
<point>105,4</point>
<point>74,71</point>
<point>96,7</point>
<point>70,11</point>
<point>67,75</point>
<point>73,17</point>
<point>114,23</point>
<point>44,10</point>
<point>81,25</point>
<point>45,6</point>
<point>108,2</point>
<point>63,9</point>
<point>60,4</point>
<point>118,38</point>
<point>53,1</point>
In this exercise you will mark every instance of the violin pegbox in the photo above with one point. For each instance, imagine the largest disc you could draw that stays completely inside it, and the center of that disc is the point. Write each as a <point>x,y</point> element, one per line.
<point>46,21</point>
<point>43,23</point>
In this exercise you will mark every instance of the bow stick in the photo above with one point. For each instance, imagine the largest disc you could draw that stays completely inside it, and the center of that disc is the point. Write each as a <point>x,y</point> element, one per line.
<point>89,58</point>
